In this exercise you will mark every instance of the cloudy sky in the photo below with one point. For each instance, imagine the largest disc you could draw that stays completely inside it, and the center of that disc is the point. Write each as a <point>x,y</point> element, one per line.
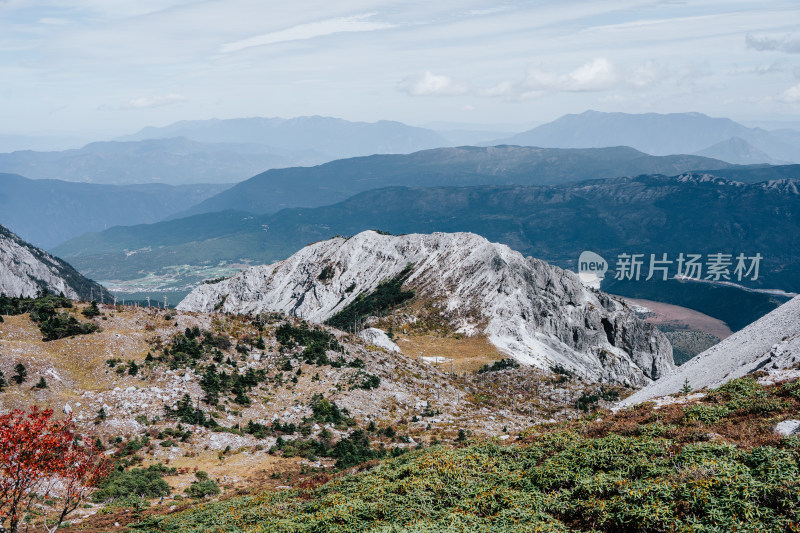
<point>117,66</point>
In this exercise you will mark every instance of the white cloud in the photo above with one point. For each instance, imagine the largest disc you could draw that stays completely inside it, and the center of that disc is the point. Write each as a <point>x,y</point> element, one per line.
<point>148,102</point>
<point>512,91</point>
<point>790,95</point>
<point>786,43</point>
<point>356,23</point>
<point>597,75</point>
<point>430,84</point>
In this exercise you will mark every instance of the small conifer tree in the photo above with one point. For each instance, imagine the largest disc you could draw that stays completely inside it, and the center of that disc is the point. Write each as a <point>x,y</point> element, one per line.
<point>21,374</point>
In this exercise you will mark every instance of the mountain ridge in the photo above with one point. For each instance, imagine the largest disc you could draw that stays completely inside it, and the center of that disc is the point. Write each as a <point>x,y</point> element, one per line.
<point>49,212</point>
<point>654,133</point>
<point>539,314</point>
<point>174,161</point>
<point>772,340</point>
<point>554,222</point>
<point>27,270</point>
<point>461,166</point>
<point>331,136</point>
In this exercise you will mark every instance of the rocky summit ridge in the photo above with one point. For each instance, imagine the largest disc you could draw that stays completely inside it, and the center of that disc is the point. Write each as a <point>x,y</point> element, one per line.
<point>536,313</point>
<point>26,270</point>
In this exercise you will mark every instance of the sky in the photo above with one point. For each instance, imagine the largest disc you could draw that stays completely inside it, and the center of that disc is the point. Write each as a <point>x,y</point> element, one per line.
<point>96,67</point>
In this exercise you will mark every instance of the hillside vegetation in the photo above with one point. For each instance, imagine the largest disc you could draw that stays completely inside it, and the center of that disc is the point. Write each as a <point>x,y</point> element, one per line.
<point>713,465</point>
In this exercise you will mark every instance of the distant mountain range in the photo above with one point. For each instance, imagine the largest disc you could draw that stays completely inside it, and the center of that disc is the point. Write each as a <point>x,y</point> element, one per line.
<point>175,160</point>
<point>658,134</point>
<point>48,212</point>
<point>737,150</point>
<point>463,166</point>
<point>333,137</point>
<point>231,150</point>
<point>25,270</point>
<point>692,213</point>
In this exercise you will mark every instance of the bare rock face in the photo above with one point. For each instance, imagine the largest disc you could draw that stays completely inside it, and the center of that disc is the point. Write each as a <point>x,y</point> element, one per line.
<point>25,270</point>
<point>539,314</point>
<point>771,342</point>
<point>378,338</point>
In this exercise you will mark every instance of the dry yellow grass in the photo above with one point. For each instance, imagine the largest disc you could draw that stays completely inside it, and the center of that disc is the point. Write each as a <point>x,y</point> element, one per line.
<point>72,365</point>
<point>465,354</point>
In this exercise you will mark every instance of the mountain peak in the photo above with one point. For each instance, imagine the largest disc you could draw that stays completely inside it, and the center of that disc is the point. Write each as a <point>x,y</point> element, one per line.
<point>662,134</point>
<point>25,270</point>
<point>737,150</point>
<point>539,314</point>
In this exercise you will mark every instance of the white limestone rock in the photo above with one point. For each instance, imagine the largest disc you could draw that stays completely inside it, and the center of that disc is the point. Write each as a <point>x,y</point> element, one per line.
<point>537,313</point>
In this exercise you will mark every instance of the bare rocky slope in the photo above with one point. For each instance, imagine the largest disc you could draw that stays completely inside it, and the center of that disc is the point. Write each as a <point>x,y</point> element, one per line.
<point>25,270</point>
<point>539,314</point>
<point>772,342</point>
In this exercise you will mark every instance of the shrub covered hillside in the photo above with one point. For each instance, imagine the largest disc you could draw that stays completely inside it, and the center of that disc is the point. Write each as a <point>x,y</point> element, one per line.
<point>713,465</point>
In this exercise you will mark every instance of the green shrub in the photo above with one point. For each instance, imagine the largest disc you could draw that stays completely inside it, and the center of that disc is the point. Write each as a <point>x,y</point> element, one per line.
<point>368,382</point>
<point>738,390</point>
<point>203,486</point>
<point>91,311</point>
<point>137,482</point>
<point>707,414</point>
<point>557,482</point>
<point>327,412</point>
<point>587,401</point>
<point>354,450</point>
<point>791,389</point>
<point>502,364</point>
<point>63,325</point>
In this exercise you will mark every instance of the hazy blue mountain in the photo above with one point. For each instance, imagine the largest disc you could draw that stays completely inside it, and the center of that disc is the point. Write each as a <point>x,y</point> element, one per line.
<point>653,133</point>
<point>692,213</point>
<point>174,161</point>
<point>737,150</point>
<point>465,137</point>
<point>48,212</point>
<point>13,142</point>
<point>463,166</point>
<point>336,138</point>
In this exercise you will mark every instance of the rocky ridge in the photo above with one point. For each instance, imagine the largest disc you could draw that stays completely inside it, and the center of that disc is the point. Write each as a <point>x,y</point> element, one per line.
<point>25,270</point>
<point>539,314</point>
<point>770,343</point>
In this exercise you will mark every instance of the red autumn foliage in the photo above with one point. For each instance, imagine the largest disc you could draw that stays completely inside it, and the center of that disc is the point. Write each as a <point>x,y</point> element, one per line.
<point>45,467</point>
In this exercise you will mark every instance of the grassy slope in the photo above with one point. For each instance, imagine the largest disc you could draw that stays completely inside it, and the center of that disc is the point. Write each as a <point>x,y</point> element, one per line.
<point>710,466</point>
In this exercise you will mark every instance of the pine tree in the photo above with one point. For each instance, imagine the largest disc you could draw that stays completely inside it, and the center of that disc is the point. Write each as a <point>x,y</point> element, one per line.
<point>240,396</point>
<point>42,384</point>
<point>21,374</point>
<point>210,383</point>
<point>3,382</point>
<point>687,388</point>
<point>91,311</point>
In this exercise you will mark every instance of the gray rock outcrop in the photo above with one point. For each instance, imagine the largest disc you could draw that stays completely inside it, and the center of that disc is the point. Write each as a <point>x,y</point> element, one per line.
<point>537,313</point>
